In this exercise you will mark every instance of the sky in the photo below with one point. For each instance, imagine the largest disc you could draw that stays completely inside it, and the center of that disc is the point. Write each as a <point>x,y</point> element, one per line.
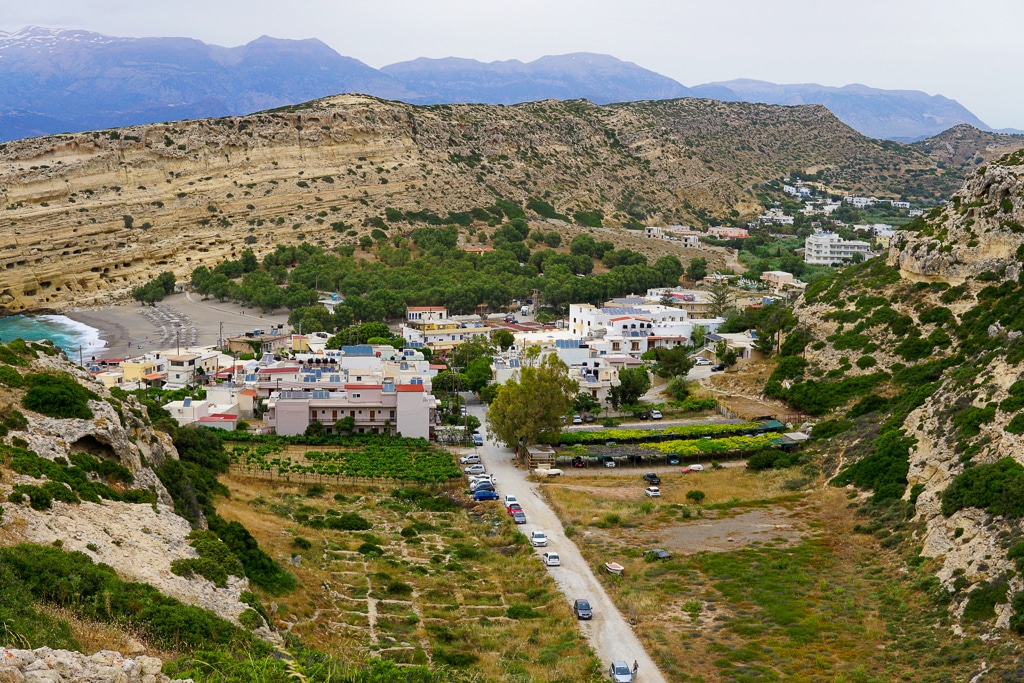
<point>967,50</point>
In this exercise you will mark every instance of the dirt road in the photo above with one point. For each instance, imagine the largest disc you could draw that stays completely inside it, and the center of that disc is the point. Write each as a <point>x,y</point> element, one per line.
<point>609,633</point>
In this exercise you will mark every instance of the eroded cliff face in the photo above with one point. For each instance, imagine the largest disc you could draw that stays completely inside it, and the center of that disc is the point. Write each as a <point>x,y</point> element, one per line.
<point>978,232</point>
<point>89,216</point>
<point>140,541</point>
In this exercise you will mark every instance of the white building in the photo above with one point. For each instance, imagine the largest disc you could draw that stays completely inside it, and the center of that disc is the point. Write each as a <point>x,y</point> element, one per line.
<point>828,248</point>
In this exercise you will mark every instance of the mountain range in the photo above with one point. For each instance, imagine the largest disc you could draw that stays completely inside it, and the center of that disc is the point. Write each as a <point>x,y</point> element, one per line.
<point>64,80</point>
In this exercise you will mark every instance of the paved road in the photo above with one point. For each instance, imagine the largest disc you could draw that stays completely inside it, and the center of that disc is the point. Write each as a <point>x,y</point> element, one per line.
<point>609,633</point>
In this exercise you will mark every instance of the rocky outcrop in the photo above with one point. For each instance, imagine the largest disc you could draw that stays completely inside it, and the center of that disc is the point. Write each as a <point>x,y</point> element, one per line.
<point>978,232</point>
<point>62,666</point>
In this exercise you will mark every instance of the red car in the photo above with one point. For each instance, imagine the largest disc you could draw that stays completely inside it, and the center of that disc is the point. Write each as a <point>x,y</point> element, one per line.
<point>513,508</point>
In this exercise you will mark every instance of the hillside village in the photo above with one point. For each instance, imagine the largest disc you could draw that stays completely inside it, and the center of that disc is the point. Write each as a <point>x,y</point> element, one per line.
<point>758,433</point>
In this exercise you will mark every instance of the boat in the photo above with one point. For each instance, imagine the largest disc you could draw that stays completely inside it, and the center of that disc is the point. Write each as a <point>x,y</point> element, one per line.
<point>614,568</point>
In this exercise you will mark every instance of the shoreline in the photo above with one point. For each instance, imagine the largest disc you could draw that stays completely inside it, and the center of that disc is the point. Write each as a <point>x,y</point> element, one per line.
<point>179,321</point>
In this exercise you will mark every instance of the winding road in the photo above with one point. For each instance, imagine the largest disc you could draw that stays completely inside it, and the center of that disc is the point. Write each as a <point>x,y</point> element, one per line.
<point>609,633</point>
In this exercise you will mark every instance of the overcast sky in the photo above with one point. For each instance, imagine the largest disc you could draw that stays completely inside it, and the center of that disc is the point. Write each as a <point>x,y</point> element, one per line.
<point>968,50</point>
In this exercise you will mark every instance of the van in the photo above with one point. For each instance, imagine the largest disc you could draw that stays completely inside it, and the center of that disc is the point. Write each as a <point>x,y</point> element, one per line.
<point>478,440</point>
<point>525,310</point>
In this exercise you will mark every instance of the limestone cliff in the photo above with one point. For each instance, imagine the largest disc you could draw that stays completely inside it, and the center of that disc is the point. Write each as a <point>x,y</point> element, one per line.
<point>88,216</point>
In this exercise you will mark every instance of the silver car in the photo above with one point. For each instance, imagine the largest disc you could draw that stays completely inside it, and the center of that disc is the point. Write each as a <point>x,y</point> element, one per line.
<point>620,672</point>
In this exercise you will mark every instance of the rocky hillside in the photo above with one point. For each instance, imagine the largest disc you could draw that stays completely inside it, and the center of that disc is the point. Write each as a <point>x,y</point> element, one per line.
<point>917,360</point>
<point>78,472</point>
<point>88,216</point>
<point>965,147</point>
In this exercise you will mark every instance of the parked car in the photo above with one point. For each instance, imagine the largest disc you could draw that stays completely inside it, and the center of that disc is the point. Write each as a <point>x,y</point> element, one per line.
<point>673,459</point>
<point>519,517</point>
<point>588,418</point>
<point>581,608</point>
<point>718,368</point>
<point>652,478</point>
<point>482,477</point>
<point>470,459</point>
<point>655,414</point>
<point>652,492</point>
<point>538,539</point>
<point>485,494</point>
<point>620,672</point>
<point>475,469</point>
<point>478,440</point>
<point>657,554</point>
<point>609,463</point>
<point>577,419</point>
<point>703,361</point>
<point>551,559</point>
<point>481,486</point>
<point>697,468</point>
<point>578,461</point>
<point>509,499</point>
<point>643,415</point>
<point>514,508</point>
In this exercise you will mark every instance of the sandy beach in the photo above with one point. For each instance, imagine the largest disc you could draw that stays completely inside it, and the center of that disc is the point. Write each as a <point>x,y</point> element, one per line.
<point>180,319</point>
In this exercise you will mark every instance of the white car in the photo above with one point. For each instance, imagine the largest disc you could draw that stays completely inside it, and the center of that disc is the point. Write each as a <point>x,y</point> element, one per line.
<point>696,468</point>
<point>509,499</point>
<point>652,492</point>
<point>475,469</point>
<point>577,419</point>
<point>470,459</point>
<point>551,559</point>
<point>703,361</point>
<point>655,414</point>
<point>548,472</point>
<point>609,463</point>
<point>483,477</point>
<point>538,539</point>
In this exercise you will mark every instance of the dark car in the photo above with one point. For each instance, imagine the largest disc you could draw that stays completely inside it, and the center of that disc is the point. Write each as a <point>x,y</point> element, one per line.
<point>673,459</point>
<point>485,494</point>
<point>652,478</point>
<point>519,517</point>
<point>643,415</point>
<point>481,486</point>
<point>578,461</point>
<point>718,368</point>
<point>657,554</point>
<point>581,608</point>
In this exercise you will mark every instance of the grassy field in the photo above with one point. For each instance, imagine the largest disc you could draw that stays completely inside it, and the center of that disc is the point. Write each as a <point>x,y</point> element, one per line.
<point>824,604</point>
<point>455,588</point>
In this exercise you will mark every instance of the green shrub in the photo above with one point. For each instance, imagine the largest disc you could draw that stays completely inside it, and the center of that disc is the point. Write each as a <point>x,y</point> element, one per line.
<point>997,488</point>
<point>1016,425</point>
<point>301,543</point>
<point>865,362</point>
<point>969,420</point>
<point>57,396</point>
<point>826,429</point>
<point>695,496</point>
<point>11,377</point>
<point>521,611</point>
<point>982,601</point>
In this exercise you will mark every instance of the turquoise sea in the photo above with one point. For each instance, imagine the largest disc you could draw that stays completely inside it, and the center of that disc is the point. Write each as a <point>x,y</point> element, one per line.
<point>61,330</point>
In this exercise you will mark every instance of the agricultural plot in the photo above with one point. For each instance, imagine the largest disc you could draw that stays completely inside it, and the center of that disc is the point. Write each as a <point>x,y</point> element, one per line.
<point>678,432</point>
<point>408,460</point>
<point>428,580</point>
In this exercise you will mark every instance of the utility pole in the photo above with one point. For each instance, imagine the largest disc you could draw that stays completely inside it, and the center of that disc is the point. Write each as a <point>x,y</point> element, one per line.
<point>177,336</point>
<point>80,356</point>
<point>220,336</point>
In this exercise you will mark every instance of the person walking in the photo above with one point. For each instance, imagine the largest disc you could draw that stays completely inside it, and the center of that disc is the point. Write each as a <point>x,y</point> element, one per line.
<point>636,668</point>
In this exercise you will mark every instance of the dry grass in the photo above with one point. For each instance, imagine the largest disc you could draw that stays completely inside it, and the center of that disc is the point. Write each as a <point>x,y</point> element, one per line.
<point>582,499</point>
